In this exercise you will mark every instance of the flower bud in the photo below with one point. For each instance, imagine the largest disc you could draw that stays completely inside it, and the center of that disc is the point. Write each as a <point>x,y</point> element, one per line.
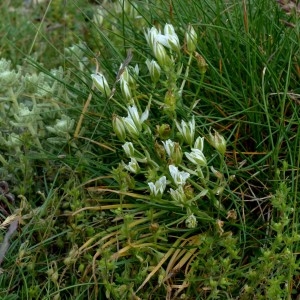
<point>191,39</point>
<point>218,191</point>
<point>178,196</point>
<point>150,36</point>
<point>154,227</point>
<point>189,191</point>
<point>54,277</point>
<point>160,151</point>
<point>170,101</point>
<point>161,55</point>
<point>177,155</point>
<point>163,131</point>
<point>174,151</point>
<point>101,83</point>
<point>218,142</point>
<point>128,77</point>
<point>128,81</point>
<point>125,89</point>
<point>191,221</point>
<point>170,39</point>
<point>131,127</point>
<point>218,174</point>
<point>231,215</point>
<point>154,70</point>
<point>202,65</point>
<point>56,296</point>
<point>119,127</point>
<point>98,17</point>
<point>169,30</point>
<point>219,226</point>
<point>129,149</point>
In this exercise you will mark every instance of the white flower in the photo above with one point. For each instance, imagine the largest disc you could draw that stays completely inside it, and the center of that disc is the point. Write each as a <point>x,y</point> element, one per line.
<point>150,36</point>
<point>174,151</point>
<point>144,115</point>
<point>154,70</point>
<point>178,177</point>
<point>170,42</point>
<point>169,39</point>
<point>169,146</point>
<point>132,166</point>
<point>196,157</point>
<point>101,83</point>
<point>153,36</point>
<point>133,113</point>
<point>178,196</point>
<point>134,121</point>
<point>187,130</point>
<point>158,188</point>
<point>129,149</point>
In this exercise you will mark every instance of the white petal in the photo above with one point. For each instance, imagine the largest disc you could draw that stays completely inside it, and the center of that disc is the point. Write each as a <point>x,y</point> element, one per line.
<point>152,188</point>
<point>173,171</point>
<point>162,183</point>
<point>128,149</point>
<point>169,29</point>
<point>199,143</point>
<point>130,126</point>
<point>169,147</point>
<point>163,39</point>
<point>144,115</point>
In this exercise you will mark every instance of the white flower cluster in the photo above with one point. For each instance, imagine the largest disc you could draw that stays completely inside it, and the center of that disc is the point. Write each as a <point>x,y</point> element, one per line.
<point>166,49</point>
<point>197,158</point>
<point>158,43</point>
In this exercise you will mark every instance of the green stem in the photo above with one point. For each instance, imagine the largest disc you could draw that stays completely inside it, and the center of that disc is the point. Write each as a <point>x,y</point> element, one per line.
<point>197,92</point>
<point>185,75</point>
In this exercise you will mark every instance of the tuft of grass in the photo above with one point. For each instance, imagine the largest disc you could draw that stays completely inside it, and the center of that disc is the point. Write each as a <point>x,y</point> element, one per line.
<point>112,200</point>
